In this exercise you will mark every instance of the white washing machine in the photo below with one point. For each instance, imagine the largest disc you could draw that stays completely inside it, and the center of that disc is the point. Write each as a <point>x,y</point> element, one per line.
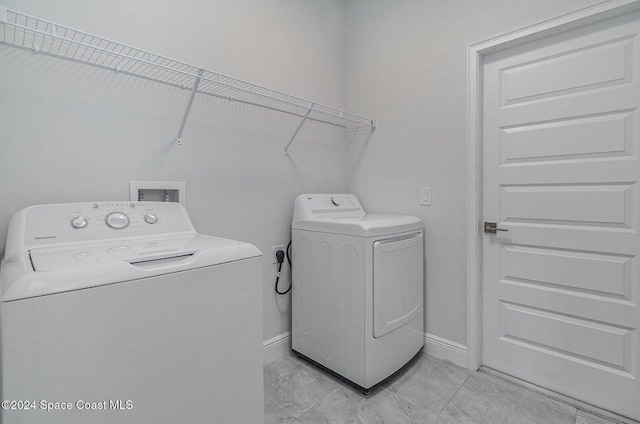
<point>358,287</point>
<point>121,312</point>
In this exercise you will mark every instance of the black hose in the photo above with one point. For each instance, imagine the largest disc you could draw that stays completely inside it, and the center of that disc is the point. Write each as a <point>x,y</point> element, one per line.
<point>280,259</point>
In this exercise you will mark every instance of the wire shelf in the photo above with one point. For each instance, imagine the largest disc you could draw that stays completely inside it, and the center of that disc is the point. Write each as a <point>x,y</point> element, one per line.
<point>41,36</point>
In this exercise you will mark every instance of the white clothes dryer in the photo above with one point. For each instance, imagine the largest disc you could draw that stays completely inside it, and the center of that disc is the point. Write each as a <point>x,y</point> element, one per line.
<point>358,287</point>
<point>122,312</point>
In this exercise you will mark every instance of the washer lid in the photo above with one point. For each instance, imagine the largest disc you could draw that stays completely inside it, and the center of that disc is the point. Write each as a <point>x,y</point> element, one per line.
<point>365,225</point>
<point>48,270</point>
<point>131,251</point>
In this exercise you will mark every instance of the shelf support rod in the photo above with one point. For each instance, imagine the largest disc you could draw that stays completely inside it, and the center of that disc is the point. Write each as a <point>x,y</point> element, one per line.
<point>293,137</point>
<point>194,90</point>
<point>374,124</point>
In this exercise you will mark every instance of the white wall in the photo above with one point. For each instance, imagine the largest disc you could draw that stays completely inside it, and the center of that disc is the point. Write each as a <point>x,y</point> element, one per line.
<point>71,133</point>
<point>406,63</point>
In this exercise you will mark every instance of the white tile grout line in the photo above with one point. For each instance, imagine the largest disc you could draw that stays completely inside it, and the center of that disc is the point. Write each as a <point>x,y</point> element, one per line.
<point>314,369</point>
<point>283,408</point>
<point>311,407</point>
<point>386,386</point>
<point>276,404</point>
<point>454,395</point>
<point>413,404</point>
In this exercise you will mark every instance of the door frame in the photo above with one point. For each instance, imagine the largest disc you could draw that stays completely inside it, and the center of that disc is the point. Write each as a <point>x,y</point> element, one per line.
<point>475,55</point>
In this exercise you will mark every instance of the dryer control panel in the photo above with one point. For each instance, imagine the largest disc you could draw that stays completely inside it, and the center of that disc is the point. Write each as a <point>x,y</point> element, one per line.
<point>78,222</point>
<point>308,206</point>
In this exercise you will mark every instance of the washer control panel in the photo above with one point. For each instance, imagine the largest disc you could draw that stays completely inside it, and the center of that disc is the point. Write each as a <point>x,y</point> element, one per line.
<point>71,222</point>
<point>313,205</point>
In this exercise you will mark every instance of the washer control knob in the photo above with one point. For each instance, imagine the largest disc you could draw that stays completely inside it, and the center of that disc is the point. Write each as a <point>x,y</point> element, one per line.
<point>117,220</point>
<point>150,218</point>
<point>79,222</point>
<point>336,202</point>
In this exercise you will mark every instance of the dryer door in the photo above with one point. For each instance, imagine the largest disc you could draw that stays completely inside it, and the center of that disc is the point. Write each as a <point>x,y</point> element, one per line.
<point>397,282</point>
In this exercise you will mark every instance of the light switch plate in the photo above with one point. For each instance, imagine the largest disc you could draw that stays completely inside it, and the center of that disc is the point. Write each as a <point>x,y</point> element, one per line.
<point>425,196</point>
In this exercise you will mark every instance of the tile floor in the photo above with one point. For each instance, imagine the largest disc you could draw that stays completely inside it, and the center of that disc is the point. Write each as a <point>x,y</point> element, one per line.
<point>428,391</point>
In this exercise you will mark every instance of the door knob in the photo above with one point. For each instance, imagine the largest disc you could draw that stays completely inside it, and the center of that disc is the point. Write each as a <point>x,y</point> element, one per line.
<point>492,228</point>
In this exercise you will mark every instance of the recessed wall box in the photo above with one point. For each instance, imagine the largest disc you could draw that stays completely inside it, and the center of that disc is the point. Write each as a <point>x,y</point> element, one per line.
<point>158,191</point>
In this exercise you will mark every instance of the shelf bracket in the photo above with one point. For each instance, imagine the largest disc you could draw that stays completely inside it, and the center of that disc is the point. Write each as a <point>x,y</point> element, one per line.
<point>374,124</point>
<point>293,137</point>
<point>194,90</point>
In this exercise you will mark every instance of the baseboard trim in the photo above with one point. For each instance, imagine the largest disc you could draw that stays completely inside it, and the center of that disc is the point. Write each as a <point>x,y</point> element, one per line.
<point>441,348</point>
<point>276,347</point>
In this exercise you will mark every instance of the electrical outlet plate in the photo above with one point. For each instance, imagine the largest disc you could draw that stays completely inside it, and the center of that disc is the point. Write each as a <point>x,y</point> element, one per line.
<point>274,250</point>
<point>425,196</point>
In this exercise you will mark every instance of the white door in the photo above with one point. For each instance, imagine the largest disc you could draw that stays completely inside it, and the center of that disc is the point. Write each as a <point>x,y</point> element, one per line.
<point>561,173</point>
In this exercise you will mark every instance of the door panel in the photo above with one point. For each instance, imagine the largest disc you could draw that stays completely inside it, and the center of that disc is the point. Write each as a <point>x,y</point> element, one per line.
<point>577,139</point>
<point>561,173</point>
<point>548,330</point>
<point>599,65</point>
<point>600,274</point>
<point>594,205</point>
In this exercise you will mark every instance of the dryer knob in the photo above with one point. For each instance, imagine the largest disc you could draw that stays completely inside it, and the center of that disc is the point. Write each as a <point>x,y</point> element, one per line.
<point>117,220</point>
<point>336,202</point>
